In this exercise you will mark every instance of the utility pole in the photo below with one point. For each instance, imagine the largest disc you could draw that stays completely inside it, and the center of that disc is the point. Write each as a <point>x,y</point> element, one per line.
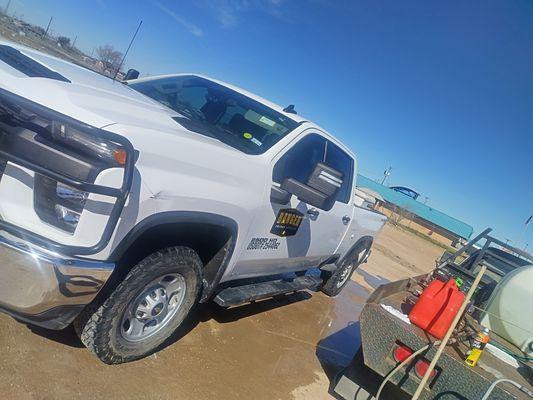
<point>386,175</point>
<point>526,225</point>
<point>128,49</point>
<point>7,7</point>
<point>74,42</point>
<point>48,26</point>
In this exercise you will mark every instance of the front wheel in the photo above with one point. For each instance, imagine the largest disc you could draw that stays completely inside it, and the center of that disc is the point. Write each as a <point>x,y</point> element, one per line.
<point>334,283</point>
<point>145,309</point>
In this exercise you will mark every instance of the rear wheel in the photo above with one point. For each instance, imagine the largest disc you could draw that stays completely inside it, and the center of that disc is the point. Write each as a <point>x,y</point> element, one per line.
<point>145,309</point>
<point>334,283</point>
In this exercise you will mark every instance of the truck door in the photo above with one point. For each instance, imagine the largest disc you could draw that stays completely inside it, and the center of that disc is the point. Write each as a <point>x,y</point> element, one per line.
<point>311,235</point>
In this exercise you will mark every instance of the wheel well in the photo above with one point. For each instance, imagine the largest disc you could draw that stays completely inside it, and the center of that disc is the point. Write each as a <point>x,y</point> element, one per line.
<point>365,239</point>
<point>205,239</point>
<point>362,240</point>
<point>212,236</point>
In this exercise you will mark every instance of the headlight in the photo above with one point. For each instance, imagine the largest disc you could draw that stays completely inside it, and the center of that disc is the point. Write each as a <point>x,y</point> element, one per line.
<point>63,146</point>
<point>60,132</point>
<point>87,144</point>
<point>66,156</point>
<point>58,204</point>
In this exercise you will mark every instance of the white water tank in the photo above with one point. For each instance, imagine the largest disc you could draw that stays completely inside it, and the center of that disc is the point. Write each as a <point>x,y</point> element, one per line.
<point>509,311</point>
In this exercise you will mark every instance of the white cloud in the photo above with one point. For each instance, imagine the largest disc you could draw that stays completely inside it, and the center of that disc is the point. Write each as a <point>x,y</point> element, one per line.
<point>229,12</point>
<point>191,27</point>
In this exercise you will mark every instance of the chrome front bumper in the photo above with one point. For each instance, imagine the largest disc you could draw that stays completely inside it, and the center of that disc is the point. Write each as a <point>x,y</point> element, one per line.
<point>44,288</point>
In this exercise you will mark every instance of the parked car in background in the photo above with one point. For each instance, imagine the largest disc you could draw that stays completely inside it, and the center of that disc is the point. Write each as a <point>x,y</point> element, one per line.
<point>408,192</point>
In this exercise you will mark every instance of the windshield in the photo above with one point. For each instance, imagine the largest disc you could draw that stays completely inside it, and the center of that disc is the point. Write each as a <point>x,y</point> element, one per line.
<point>214,110</point>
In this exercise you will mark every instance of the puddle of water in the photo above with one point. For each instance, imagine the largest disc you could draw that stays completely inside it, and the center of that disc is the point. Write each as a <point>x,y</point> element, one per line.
<point>341,340</point>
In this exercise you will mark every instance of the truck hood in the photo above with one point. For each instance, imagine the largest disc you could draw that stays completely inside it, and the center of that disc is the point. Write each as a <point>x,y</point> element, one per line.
<point>77,92</point>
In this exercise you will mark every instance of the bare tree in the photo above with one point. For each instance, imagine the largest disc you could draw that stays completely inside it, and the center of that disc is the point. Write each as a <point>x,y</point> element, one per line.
<point>399,214</point>
<point>109,56</point>
<point>63,41</point>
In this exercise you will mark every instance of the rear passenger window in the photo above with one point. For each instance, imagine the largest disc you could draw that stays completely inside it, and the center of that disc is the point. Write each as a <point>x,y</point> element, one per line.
<point>342,162</point>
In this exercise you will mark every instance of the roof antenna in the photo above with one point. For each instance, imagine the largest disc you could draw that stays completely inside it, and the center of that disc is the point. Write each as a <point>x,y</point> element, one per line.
<point>290,109</point>
<point>127,50</point>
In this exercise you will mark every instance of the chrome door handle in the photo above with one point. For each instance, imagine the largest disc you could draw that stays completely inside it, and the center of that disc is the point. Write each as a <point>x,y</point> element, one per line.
<point>346,219</point>
<point>313,211</point>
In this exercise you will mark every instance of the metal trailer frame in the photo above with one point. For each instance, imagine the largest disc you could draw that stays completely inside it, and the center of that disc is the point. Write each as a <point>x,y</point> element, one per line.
<point>450,258</point>
<point>381,332</point>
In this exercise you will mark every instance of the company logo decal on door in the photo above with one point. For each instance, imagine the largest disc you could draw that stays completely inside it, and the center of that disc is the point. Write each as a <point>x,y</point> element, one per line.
<point>287,222</point>
<point>263,244</point>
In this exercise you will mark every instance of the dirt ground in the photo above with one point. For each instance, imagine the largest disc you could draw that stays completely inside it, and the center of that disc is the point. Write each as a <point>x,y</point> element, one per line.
<point>275,349</point>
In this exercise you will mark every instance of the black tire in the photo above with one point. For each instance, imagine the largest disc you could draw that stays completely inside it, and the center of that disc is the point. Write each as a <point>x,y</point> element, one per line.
<point>335,282</point>
<point>100,326</point>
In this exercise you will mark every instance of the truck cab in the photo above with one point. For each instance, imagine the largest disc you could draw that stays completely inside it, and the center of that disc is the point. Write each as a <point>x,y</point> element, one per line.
<point>281,147</point>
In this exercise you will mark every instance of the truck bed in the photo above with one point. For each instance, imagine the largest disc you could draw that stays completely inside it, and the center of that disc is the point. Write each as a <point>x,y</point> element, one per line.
<point>381,331</point>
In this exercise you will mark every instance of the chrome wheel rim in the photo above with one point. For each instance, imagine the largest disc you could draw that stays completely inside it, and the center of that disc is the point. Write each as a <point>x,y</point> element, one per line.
<point>153,308</point>
<point>346,272</point>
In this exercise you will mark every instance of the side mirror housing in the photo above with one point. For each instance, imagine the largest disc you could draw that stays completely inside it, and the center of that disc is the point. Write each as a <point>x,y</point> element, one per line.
<point>131,74</point>
<point>321,187</point>
<point>305,193</point>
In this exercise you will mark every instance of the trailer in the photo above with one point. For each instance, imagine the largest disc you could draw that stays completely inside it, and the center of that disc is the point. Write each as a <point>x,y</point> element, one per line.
<point>388,338</point>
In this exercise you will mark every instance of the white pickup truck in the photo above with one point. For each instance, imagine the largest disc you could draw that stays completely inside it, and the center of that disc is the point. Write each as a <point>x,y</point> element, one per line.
<point>123,204</point>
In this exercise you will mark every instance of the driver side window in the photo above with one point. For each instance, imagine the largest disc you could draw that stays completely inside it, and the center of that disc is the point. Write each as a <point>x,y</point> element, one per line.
<point>300,161</point>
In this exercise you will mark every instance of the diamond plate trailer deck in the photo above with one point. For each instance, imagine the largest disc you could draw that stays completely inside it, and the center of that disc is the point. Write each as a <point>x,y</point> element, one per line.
<point>381,331</point>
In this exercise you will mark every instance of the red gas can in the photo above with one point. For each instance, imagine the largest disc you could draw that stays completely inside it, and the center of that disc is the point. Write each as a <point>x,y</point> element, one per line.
<point>437,307</point>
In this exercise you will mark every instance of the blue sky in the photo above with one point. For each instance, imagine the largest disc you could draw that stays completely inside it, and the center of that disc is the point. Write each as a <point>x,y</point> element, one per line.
<point>442,91</point>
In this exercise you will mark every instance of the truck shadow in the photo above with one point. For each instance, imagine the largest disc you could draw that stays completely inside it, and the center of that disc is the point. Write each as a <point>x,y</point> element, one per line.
<point>336,351</point>
<point>209,311</point>
<point>204,313</point>
<point>340,354</point>
<point>225,315</point>
<point>67,336</point>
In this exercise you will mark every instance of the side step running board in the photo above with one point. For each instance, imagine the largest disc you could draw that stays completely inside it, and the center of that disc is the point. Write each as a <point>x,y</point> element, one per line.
<point>234,296</point>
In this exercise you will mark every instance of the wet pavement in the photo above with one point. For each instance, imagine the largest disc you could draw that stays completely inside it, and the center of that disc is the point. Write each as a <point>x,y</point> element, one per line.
<point>285,348</point>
